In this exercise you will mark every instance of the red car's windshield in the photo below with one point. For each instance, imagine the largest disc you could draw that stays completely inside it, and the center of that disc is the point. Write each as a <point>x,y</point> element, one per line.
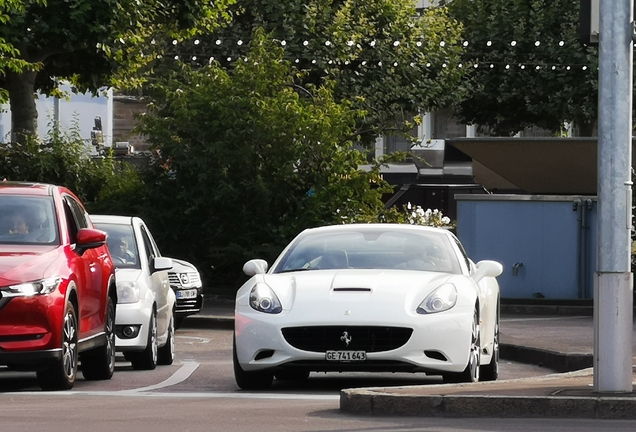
<point>28,220</point>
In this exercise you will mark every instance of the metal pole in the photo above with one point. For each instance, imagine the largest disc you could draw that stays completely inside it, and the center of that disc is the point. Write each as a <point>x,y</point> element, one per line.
<point>613,307</point>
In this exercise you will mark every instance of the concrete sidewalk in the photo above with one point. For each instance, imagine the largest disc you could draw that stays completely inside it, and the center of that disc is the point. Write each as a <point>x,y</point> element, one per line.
<point>558,338</point>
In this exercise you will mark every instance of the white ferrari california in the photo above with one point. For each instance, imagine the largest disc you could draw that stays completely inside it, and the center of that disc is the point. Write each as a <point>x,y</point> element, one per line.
<point>368,297</point>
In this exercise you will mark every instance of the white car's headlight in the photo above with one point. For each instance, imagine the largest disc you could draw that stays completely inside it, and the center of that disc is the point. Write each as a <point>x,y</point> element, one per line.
<point>263,299</point>
<point>39,287</point>
<point>442,299</point>
<point>127,292</point>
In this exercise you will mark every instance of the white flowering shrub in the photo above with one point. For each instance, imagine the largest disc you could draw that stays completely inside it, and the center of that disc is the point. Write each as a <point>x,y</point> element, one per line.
<point>416,215</point>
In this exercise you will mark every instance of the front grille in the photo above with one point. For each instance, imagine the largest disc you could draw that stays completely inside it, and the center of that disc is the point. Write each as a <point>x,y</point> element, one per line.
<point>194,277</point>
<point>361,338</point>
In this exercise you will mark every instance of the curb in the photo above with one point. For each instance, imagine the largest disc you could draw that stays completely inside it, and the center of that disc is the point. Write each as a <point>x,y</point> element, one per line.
<point>366,402</point>
<point>557,361</point>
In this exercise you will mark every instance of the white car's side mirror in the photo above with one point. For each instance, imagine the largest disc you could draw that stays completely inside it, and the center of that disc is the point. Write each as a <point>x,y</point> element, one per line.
<point>161,263</point>
<point>487,268</point>
<point>255,266</point>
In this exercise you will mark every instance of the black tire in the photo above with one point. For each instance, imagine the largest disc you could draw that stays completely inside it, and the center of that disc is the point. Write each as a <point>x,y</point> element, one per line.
<point>178,322</point>
<point>99,363</point>
<point>471,373</point>
<point>490,372</point>
<point>147,359</point>
<point>61,374</point>
<point>292,375</point>
<point>250,380</point>
<point>165,354</point>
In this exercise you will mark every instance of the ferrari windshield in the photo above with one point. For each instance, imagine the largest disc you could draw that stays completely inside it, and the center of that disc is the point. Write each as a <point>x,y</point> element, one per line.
<point>371,249</point>
<point>27,220</point>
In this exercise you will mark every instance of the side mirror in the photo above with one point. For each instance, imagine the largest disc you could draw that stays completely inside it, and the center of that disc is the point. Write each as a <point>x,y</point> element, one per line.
<point>161,263</point>
<point>255,266</point>
<point>89,238</point>
<point>487,268</point>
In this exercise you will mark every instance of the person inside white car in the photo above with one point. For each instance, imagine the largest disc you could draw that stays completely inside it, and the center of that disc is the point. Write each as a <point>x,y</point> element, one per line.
<point>120,251</point>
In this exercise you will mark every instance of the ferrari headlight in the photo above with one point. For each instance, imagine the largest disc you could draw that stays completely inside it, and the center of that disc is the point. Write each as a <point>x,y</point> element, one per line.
<point>442,299</point>
<point>263,299</point>
<point>127,292</point>
<point>27,289</point>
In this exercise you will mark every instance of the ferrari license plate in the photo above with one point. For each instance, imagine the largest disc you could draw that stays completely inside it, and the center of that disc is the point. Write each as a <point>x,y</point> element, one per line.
<point>346,355</point>
<point>187,294</point>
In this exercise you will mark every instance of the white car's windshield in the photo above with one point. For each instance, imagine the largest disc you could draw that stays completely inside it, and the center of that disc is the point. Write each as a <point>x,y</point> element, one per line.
<point>27,220</point>
<point>121,244</point>
<point>371,249</point>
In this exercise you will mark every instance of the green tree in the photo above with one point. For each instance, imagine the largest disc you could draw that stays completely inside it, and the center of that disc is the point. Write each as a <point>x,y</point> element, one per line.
<point>528,85</point>
<point>382,55</point>
<point>91,43</point>
<point>246,159</point>
<point>9,55</point>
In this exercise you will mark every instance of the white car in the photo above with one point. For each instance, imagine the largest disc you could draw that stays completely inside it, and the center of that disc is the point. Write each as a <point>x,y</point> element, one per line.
<point>144,321</point>
<point>368,297</point>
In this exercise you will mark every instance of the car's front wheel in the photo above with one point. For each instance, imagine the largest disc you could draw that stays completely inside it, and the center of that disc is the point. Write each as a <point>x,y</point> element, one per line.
<point>258,380</point>
<point>147,359</point>
<point>471,373</point>
<point>61,374</point>
<point>165,355</point>
<point>99,363</point>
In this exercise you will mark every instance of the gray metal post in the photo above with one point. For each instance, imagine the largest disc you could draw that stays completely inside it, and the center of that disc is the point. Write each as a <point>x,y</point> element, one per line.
<point>613,307</point>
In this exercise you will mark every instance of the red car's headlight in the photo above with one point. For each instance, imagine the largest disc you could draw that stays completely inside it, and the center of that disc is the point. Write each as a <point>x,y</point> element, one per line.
<point>26,289</point>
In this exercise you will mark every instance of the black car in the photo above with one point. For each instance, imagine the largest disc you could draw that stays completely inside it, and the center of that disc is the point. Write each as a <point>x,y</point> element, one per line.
<point>185,280</point>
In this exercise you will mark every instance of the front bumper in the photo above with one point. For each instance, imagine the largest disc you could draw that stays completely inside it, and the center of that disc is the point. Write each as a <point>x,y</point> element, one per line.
<point>439,343</point>
<point>30,360</point>
<point>31,324</point>
<point>137,315</point>
<point>188,306</point>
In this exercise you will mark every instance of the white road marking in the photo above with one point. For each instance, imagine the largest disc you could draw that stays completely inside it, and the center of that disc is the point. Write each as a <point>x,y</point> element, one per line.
<point>196,339</point>
<point>181,375</point>
<point>207,395</point>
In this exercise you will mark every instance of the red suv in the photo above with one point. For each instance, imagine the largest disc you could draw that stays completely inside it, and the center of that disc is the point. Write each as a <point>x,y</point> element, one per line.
<point>57,287</point>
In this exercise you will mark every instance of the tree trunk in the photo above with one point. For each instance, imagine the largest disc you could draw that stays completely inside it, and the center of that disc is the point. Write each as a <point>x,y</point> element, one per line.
<point>24,114</point>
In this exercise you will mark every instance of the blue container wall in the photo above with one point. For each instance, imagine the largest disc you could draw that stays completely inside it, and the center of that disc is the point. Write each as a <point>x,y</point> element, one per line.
<point>541,244</point>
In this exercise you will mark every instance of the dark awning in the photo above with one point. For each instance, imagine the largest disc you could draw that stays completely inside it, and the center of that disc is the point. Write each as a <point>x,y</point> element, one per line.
<point>534,165</point>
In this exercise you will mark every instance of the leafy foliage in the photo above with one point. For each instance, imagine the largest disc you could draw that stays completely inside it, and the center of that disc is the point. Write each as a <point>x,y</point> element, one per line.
<point>92,43</point>
<point>507,100</point>
<point>246,159</point>
<point>62,159</point>
<point>381,56</point>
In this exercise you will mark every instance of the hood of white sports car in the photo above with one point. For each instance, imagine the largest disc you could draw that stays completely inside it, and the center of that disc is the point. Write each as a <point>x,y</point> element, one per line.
<point>361,293</point>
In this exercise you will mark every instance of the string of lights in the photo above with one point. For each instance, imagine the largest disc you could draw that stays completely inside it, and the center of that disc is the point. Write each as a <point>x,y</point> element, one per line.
<point>535,60</point>
<point>201,59</point>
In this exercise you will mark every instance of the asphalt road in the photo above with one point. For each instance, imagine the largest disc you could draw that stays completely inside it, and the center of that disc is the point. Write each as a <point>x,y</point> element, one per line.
<point>198,393</point>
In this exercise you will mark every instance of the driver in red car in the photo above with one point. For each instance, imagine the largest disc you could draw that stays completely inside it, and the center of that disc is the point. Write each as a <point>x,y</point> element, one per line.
<point>19,225</point>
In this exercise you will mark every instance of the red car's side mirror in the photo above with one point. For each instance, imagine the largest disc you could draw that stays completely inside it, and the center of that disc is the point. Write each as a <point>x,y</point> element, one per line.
<point>89,238</point>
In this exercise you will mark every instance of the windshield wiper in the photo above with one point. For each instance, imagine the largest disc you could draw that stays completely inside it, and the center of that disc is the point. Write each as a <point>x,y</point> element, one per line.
<point>296,270</point>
